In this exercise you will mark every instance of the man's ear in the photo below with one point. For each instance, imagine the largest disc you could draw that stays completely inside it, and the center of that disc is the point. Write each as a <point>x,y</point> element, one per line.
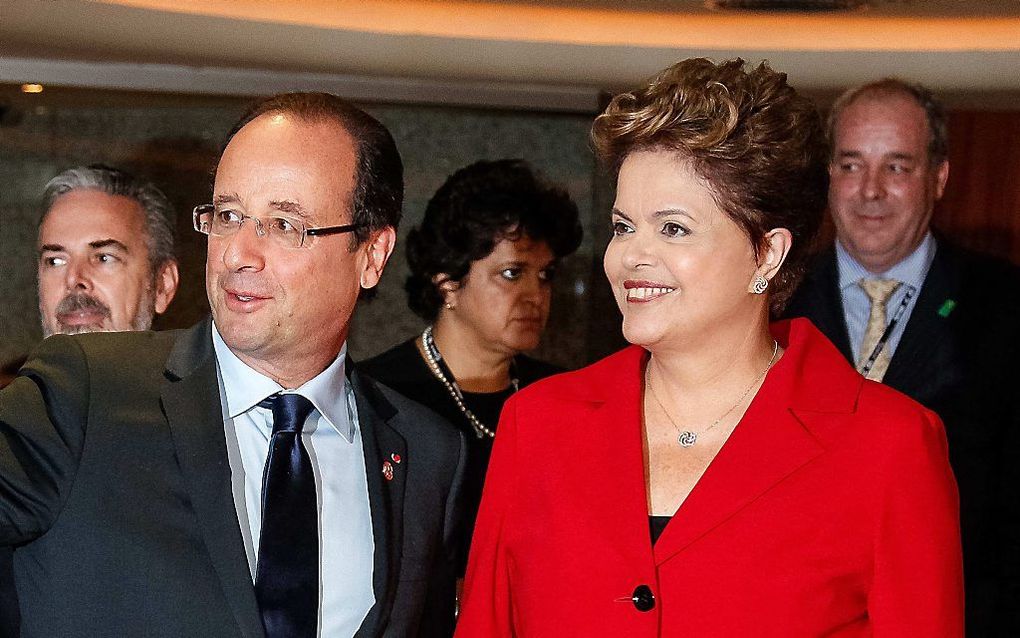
<point>167,280</point>
<point>778,242</point>
<point>377,249</point>
<point>941,177</point>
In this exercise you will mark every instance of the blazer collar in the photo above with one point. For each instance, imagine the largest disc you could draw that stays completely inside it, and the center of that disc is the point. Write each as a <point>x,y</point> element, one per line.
<point>191,402</point>
<point>385,449</point>
<point>926,350</point>
<point>784,428</point>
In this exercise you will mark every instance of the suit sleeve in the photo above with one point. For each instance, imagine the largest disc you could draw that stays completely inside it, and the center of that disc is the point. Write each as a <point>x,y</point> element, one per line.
<point>917,587</point>
<point>487,608</point>
<point>42,430</point>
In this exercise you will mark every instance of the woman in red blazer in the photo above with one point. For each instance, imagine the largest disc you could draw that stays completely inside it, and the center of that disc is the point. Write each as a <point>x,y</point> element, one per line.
<point>720,477</point>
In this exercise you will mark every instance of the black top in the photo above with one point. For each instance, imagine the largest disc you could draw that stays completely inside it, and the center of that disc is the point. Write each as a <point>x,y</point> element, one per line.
<point>657,524</point>
<point>403,369</point>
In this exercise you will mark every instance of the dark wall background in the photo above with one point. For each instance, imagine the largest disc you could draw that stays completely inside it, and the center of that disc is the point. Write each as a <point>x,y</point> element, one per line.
<point>174,141</point>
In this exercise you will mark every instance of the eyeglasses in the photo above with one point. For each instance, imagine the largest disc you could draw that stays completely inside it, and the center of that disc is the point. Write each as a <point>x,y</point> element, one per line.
<point>285,231</point>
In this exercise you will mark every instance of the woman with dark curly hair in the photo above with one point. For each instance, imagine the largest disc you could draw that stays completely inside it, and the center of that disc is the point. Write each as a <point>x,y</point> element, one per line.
<point>482,264</point>
<point>720,477</point>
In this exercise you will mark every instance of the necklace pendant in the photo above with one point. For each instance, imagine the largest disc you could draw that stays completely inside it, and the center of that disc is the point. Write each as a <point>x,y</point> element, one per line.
<point>687,438</point>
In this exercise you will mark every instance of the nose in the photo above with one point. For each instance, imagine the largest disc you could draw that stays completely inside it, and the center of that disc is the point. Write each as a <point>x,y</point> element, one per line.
<point>79,278</point>
<point>873,187</point>
<point>637,252</point>
<point>243,250</point>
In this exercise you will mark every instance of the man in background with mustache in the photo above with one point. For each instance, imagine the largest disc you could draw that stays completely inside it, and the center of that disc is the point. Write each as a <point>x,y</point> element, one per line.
<point>106,264</point>
<point>106,252</point>
<point>927,318</point>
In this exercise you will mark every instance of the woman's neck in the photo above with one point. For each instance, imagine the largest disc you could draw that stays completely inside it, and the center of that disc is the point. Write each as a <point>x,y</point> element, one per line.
<point>476,366</point>
<point>699,379</point>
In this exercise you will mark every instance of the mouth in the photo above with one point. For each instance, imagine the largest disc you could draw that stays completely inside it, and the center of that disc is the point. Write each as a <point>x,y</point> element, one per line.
<point>81,318</point>
<point>645,291</point>
<point>244,300</point>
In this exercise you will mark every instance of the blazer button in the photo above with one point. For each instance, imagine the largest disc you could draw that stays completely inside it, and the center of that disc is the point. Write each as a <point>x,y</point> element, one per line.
<point>643,598</point>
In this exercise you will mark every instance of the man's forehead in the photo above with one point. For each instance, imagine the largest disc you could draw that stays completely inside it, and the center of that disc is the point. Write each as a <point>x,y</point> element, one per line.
<point>88,212</point>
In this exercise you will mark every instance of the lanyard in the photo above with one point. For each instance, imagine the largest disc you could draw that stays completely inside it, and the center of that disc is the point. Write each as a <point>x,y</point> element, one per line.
<point>888,331</point>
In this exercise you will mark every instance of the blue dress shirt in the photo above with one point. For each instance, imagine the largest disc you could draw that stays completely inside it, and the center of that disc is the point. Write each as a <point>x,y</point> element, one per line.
<point>910,272</point>
<point>333,441</point>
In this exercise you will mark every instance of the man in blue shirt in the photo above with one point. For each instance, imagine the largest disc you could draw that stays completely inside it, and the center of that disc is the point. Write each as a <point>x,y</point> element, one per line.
<point>242,478</point>
<point>925,317</point>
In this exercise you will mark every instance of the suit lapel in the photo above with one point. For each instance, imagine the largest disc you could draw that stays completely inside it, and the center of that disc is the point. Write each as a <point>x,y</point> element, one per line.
<point>820,301</point>
<point>383,448</point>
<point>769,444</point>
<point>924,348</point>
<point>193,411</point>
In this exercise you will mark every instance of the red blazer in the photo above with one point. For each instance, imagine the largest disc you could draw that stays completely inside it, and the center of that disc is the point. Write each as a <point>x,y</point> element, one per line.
<point>831,511</point>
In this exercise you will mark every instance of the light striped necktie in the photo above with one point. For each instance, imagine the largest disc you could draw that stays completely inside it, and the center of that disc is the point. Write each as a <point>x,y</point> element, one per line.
<point>879,291</point>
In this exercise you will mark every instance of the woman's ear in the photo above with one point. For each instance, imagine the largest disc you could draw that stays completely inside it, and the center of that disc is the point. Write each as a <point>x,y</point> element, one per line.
<point>448,289</point>
<point>776,247</point>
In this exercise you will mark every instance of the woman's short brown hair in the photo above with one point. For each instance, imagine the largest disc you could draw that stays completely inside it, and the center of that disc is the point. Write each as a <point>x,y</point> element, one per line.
<point>758,145</point>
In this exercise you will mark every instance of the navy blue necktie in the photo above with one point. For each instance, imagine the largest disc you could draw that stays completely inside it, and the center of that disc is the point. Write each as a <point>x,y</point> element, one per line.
<point>287,575</point>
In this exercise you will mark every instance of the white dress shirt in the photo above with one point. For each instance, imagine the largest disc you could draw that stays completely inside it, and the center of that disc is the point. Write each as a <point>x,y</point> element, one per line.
<point>333,440</point>
<point>910,272</point>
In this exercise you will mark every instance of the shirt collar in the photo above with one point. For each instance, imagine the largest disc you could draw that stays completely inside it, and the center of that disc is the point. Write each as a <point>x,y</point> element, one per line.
<point>911,270</point>
<point>244,387</point>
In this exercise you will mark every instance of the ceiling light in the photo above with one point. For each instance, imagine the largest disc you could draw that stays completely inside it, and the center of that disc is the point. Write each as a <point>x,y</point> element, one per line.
<point>809,6</point>
<point>31,88</point>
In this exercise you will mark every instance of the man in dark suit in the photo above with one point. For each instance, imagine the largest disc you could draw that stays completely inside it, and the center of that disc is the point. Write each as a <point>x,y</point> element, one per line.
<point>925,317</point>
<point>240,478</point>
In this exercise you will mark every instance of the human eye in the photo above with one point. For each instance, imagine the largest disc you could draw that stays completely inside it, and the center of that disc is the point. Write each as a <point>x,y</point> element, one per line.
<point>107,258</point>
<point>621,227</point>
<point>673,229</point>
<point>512,273</point>
<point>54,261</point>
<point>547,274</point>
<point>898,168</point>
<point>226,218</point>
<point>283,226</point>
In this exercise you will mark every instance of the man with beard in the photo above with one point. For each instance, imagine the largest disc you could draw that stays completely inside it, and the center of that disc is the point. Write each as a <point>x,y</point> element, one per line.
<point>106,252</point>
<point>106,264</point>
<point>924,316</point>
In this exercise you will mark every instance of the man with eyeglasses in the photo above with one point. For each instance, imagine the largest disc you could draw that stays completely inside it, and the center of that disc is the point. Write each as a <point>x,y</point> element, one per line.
<point>240,478</point>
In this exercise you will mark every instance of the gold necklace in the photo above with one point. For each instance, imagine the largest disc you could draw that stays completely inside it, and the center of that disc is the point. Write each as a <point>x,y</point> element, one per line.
<point>687,438</point>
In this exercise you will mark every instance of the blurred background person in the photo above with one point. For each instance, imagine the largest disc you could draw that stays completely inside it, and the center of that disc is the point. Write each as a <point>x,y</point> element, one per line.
<point>922,315</point>
<point>106,264</point>
<point>482,266</point>
<point>106,252</point>
<point>719,477</point>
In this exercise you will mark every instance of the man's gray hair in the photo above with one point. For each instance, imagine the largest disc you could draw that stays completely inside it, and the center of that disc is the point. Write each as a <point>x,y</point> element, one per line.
<point>159,214</point>
<point>934,111</point>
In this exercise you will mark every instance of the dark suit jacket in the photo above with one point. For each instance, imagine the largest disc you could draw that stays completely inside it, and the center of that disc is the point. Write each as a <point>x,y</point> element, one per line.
<point>963,365</point>
<point>115,485</point>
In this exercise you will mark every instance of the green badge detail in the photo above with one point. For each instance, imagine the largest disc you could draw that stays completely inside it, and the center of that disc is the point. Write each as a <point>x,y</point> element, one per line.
<point>947,307</point>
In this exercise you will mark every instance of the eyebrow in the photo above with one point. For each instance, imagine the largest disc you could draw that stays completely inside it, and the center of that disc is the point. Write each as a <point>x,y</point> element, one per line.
<point>666,212</point>
<point>105,243</point>
<point>290,207</point>
<point>99,243</point>
<point>894,155</point>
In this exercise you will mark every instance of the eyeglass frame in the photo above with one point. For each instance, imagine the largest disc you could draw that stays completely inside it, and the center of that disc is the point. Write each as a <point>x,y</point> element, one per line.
<point>314,231</point>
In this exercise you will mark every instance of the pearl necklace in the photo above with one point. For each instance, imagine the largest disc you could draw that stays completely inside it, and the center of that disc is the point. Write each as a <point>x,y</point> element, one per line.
<point>434,361</point>
<point>687,438</point>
